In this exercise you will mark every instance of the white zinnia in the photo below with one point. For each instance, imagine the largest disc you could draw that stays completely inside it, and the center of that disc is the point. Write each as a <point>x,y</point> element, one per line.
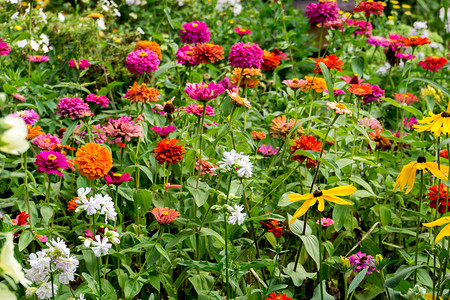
<point>14,139</point>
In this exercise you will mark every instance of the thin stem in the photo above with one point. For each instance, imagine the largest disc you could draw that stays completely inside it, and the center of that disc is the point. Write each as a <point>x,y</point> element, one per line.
<point>99,277</point>
<point>287,39</point>
<point>418,226</point>
<point>200,128</point>
<point>226,242</point>
<point>320,255</point>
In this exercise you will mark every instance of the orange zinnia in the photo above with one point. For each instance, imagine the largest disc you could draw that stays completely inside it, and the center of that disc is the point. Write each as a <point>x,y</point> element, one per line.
<point>258,135</point>
<point>306,142</point>
<point>72,204</point>
<point>152,46</point>
<point>141,93</point>
<point>168,151</point>
<point>247,77</point>
<point>93,160</point>
<point>281,127</point>
<point>360,89</point>
<point>33,131</point>
<point>414,41</point>
<point>331,61</point>
<point>208,52</point>
<point>271,61</point>
<point>315,83</point>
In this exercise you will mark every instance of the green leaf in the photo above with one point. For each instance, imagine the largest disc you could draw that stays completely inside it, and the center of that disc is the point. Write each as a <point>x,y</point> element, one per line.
<point>91,282</point>
<point>356,281</point>
<point>132,288</point>
<point>69,132</point>
<point>163,252</point>
<point>47,213</point>
<point>299,275</point>
<point>214,234</point>
<point>143,198</point>
<point>312,247</point>
<point>317,296</point>
<point>201,193</point>
<point>432,83</point>
<point>392,102</point>
<point>327,77</point>
<point>167,12</point>
<point>358,65</point>
<point>180,237</point>
<point>25,239</point>
<point>394,281</point>
<point>340,214</point>
<point>297,227</point>
<point>201,282</point>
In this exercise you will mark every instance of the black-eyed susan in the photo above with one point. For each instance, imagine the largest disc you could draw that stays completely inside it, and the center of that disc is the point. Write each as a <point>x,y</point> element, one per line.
<point>437,124</point>
<point>407,176</point>
<point>310,199</point>
<point>439,222</point>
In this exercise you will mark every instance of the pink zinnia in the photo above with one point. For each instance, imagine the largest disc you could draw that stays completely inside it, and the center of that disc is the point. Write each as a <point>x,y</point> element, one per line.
<point>405,56</point>
<point>295,83</point>
<point>185,56</point>
<point>29,116</point>
<point>117,178</point>
<point>242,31</point>
<point>98,135</point>
<point>73,108</point>
<point>363,26</point>
<point>377,94</point>
<point>247,55</point>
<point>164,215</point>
<point>142,61</point>
<point>38,58</point>
<point>370,123</point>
<point>168,186</point>
<point>4,49</point>
<point>267,150</point>
<point>164,130</point>
<point>197,110</point>
<point>101,100</point>
<point>325,222</point>
<point>203,92</point>
<point>50,161</point>
<point>46,141</point>
<point>410,123</point>
<point>205,167</point>
<point>19,97</point>
<point>351,80</point>
<point>378,41</point>
<point>80,64</point>
<point>41,238</point>
<point>195,32</point>
<point>322,12</point>
<point>362,261</point>
<point>122,129</point>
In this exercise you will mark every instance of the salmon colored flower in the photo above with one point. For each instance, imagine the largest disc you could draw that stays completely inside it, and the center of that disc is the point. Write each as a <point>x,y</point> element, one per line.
<point>208,53</point>
<point>168,151</point>
<point>407,98</point>
<point>339,108</point>
<point>33,131</point>
<point>305,142</point>
<point>152,46</point>
<point>295,83</point>
<point>330,195</point>
<point>164,215</point>
<point>238,100</point>
<point>141,93</point>
<point>247,77</point>
<point>333,62</point>
<point>362,89</point>
<point>281,127</point>
<point>258,135</point>
<point>93,160</point>
<point>271,61</point>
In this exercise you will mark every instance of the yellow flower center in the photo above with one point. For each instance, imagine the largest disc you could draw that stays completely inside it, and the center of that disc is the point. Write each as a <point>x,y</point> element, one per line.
<point>52,157</point>
<point>169,102</point>
<point>341,106</point>
<point>142,54</point>
<point>21,113</point>
<point>295,80</point>
<point>434,57</point>
<point>189,52</point>
<point>203,86</point>
<point>47,140</point>
<point>165,213</point>
<point>241,29</point>
<point>194,25</point>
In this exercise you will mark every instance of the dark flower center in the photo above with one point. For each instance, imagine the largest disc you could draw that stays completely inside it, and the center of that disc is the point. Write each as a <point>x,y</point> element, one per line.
<point>445,114</point>
<point>317,193</point>
<point>421,159</point>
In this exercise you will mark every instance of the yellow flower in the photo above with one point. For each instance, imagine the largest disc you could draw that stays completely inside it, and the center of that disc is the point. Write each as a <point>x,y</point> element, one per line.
<point>95,15</point>
<point>379,258</point>
<point>394,2</point>
<point>396,6</point>
<point>429,90</point>
<point>390,17</point>
<point>429,296</point>
<point>407,176</point>
<point>437,124</point>
<point>409,13</point>
<point>17,27</point>
<point>345,262</point>
<point>444,232</point>
<point>406,6</point>
<point>320,196</point>
<point>231,21</point>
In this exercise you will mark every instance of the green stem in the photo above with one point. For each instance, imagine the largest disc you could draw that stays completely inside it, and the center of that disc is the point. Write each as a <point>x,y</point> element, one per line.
<point>418,226</point>
<point>99,277</point>
<point>287,39</point>
<point>201,139</point>
<point>226,243</point>
<point>320,255</point>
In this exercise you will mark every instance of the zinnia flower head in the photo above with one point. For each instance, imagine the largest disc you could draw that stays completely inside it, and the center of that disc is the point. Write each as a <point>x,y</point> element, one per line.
<point>315,83</point>
<point>152,46</point>
<point>29,116</point>
<point>203,92</point>
<point>19,97</point>
<point>208,53</point>
<point>195,32</point>
<point>433,63</point>
<point>46,141</point>
<point>205,167</point>
<point>378,41</point>
<point>165,215</point>
<point>33,131</point>
<point>142,61</point>
<point>98,134</point>
<point>271,61</point>
<point>363,261</point>
<point>295,83</point>
<point>20,219</point>
<point>305,142</point>
<point>268,150</point>
<point>185,56</point>
<point>93,161</point>
<point>168,151</point>
<point>100,100</point>
<point>246,56</point>
<point>117,178</point>
<point>331,61</point>
<point>405,56</point>
<point>339,108</point>
<point>351,80</point>
<point>50,161</point>
<point>414,41</point>
<point>81,64</point>
<point>320,196</point>
<point>242,31</point>
<point>325,222</point>
<point>248,77</point>
<point>122,129</point>
<point>370,123</point>
<point>381,142</point>
<point>197,109</point>
<point>258,135</point>
<point>238,100</point>
<point>370,7</point>
<point>142,93</point>
<point>4,49</point>
<point>281,127</point>
<point>410,123</point>
<point>276,228</point>
<point>322,12</point>
<point>38,58</point>
<point>73,108</point>
<point>407,98</point>
<point>164,130</point>
<point>364,28</point>
<point>362,89</point>
<point>441,198</point>
<point>375,96</point>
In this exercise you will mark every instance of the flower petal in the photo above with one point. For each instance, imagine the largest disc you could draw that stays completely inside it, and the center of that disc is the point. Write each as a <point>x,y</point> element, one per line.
<point>438,222</point>
<point>301,211</point>
<point>444,232</point>
<point>336,200</point>
<point>434,169</point>
<point>344,190</point>
<point>298,197</point>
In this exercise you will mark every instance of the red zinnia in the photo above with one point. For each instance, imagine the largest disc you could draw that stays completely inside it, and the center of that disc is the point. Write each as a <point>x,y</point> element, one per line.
<point>72,204</point>
<point>414,41</point>
<point>168,151</point>
<point>306,142</point>
<point>433,196</point>
<point>21,219</point>
<point>274,296</point>
<point>273,226</point>
<point>362,89</point>
<point>271,61</point>
<point>331,61</point>
<point>370,7</point>
<point>433,63</point>
<point>443,154</point>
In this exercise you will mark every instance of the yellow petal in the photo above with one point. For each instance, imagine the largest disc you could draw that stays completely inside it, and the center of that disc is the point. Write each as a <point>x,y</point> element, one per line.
<point>404,177</point>
<point>321,203</point>
<point>434,169</point>
<point>301,211</point>
<point>298,197</point>
<point>444,232</point>
<point>336,200</point>
<point>340,190</point>
<point>438,222</point>
<point>411,177</point>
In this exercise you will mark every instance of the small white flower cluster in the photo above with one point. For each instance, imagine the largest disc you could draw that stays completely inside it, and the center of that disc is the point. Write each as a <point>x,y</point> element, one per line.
<point>133,2</point>
<point>101,244</point>
<point>43,42</point>
<point>98,204</point>
<point>56,260</point>
<point>233,5</point>
<point>108,5</point>
<point>442,17</point>
<point>419,29</point>
<point>237,161</point>
<point>236,214</point>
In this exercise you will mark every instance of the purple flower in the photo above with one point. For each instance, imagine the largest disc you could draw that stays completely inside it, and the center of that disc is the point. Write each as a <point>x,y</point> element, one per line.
<point>101,100</point>
<point>99,136</point>
<point>370,123</point>
<point>46,141</point>
<point>226,83</point>
<point>163,131</point>
<point>267,150</point>
<point>4,49</point>
<point>336,91</point>
<point>362,261</point>
<point>203,92</point>
<point>122,129</point>
<point>377,94</point>
<point>185,56</point>
<point>80,64</point>
<point>197,109</point>
<point>142,61</point>
<point>50,161</point>
<point>247,55</point>
<point>117,178</point>
<point>322,12</point>
<point>38,58</point>
<point>405,56</point>
<point>195,32</point>
<point>29,116</point>
<point>378,41</point>
<point>73,108</point>
<point>410,123</point>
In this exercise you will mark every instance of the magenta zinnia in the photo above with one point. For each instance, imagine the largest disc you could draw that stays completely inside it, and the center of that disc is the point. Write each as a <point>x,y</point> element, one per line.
<point>73,108</point>
<point>164,130</point>
<point>142,61</point>
<point>4,49</point>
<point>50,161</point>
<point>117,178</point>
<point>29,116</point>
<point>186,56</point>
<point>322,12</point>
<point>197,110</point>
<point>38,58</point>
<point>81,64</point>
<point>246,56</point>
<point>101,100</point>
<point>203,92</point>
<point>195,32</point>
